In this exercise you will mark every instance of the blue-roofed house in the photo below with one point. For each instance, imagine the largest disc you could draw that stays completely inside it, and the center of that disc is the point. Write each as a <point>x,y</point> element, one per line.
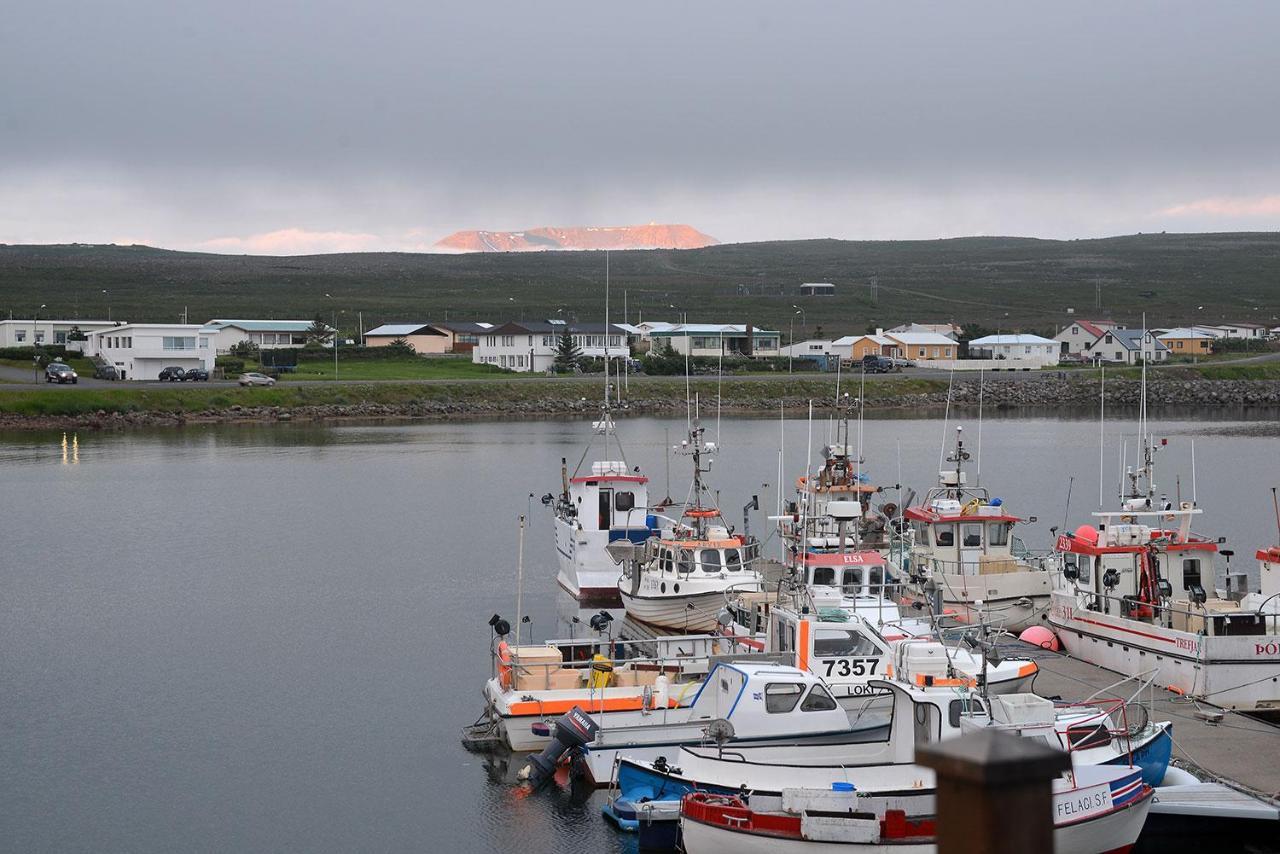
<point>1128,346</point>
<point>264,334</point>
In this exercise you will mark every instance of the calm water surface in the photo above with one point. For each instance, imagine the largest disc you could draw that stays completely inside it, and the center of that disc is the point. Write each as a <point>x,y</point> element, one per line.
<point>267,638</point>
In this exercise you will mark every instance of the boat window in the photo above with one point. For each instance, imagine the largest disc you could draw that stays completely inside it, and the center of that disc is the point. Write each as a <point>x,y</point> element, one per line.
<point>1190,572</point>
<point>665,560</point>
<point>877,576</point>
<point>967,707</point>
<point>998,533</point>
<point>710,560</point>
<point>781,697</point>
<point>842,643</point>
<point>824,576</point>
<point>853,580</point>
<point>780,632</point>
<point>1082,738</point>
<point>818,701</point>
<point>921,531</point>
<point>684,562</point>
<point>732,560</point>
<point>624,501</point>
<point>944,535</point>
<point>972,535</point>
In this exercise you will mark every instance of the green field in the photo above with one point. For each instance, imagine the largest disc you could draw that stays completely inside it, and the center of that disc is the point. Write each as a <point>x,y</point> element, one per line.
<point>999,282</point>
<point>412,368</point>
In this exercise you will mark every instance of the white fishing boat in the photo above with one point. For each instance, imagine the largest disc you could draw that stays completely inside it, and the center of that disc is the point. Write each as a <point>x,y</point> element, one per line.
<point>598,503</point>
<point>959,548</point>
<point>1094,810</point>
<point>1140,590</point>
<point>679,578</point>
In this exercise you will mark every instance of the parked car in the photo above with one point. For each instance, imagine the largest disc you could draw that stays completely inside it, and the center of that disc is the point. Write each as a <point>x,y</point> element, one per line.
<point>899,362</point>
<point>106,372</point>
<point>196,375</point>
<point>60,372</point>
<point>256,379</point>
<point>876,364</point>
<point>172,374</point>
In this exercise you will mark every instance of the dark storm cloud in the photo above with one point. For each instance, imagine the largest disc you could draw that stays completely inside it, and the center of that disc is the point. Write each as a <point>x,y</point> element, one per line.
<point>393,122</point>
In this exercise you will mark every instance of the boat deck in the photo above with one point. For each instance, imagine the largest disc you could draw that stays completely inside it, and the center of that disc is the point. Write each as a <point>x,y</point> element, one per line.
<point>1239,750</point>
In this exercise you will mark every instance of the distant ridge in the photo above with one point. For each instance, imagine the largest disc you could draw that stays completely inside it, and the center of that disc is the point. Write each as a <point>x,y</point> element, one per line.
<point>651,236</point>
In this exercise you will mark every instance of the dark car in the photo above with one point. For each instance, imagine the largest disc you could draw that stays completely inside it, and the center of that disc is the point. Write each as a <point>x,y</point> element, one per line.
<point>60,372</point>
<point>876,364</point>
<point>172,374</point>
<point>196,375</point>
<point>106,372</point>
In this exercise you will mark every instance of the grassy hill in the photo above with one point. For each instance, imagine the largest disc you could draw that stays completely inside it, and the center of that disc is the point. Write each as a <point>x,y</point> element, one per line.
<point>1010,283</point>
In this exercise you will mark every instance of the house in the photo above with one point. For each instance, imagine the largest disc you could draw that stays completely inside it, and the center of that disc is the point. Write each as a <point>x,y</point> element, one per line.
<point>819,351</point>
<point>531,345</point>
<point>1128,346</point>
<point>1239,331</point>
<point>715,339</point>
<point>1077,337</point>
<point>950,330</point>
<point>423,337</point>
<point>28,333</point>
<point>924,346</point>
<point>1026,349</point>
<point>1187,342</point>
<point>140,351</point>
<point>263,334</point>
<point>855,348</point>
<point>464,334</point>
<point>817,289</point>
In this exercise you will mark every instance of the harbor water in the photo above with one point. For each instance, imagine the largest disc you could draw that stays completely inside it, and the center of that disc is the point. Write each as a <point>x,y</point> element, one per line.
<point>266,638</point>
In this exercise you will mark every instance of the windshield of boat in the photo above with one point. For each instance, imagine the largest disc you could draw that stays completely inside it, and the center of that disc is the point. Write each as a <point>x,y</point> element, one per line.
<point>840,642</point>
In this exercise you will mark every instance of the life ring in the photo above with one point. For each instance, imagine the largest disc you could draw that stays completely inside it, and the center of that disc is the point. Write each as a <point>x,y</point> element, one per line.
<point>504,665</point>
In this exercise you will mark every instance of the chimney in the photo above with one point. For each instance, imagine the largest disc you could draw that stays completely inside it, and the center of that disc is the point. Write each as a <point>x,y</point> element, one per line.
<point>750,347</point>
<point>879,331</point>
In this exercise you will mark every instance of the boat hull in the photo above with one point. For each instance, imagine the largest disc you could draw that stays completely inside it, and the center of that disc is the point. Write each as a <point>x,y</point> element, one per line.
<point>1231,672</point>
<point>1012,601</point>
<point>690,614</point>
<point>586,570</point>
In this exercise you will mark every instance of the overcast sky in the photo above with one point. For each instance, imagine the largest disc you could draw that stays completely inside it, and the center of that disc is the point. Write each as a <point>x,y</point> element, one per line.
<point>286,126</point>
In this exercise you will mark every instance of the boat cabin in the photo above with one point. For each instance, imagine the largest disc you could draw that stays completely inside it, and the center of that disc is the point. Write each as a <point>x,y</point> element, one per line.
<point>765,699</point>
<point>611,499</point>
<point>1132,566</point>
<point>962,531</point>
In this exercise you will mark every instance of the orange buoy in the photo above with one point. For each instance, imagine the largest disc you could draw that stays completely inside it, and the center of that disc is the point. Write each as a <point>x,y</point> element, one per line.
<point>1041,636</point>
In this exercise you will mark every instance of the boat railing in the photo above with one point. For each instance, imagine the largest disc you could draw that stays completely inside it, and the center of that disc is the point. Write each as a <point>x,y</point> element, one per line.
<point>981,565</point>
<point>1179,615</point>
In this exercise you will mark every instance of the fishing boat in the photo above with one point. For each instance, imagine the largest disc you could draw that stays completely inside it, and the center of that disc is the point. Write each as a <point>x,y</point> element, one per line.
<point>1140,589</point>
<point>679,578</point>
<point>959,549</point>
<point>1094,809</point>
<point>598,504</point>
<point>924,710</point>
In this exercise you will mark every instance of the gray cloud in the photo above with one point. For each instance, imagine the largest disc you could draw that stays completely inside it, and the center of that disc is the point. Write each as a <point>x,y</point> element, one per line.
<point>184,123</point>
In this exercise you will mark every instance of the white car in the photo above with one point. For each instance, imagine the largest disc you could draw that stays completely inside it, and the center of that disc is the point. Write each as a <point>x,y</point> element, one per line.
<point>256,379</point>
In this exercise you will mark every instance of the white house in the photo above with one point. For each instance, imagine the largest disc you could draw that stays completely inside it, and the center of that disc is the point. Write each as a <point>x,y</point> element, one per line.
<point>950,330</point>
<point>716,339</point>
<point>531,345</point>
<point>28,333</point>
<point>264,334</point>
<point>1078,336</point>
<point>1241,331</point>
<point>810,349</point>
<point>1027,349</point>
<point>1128,346</point>
<point>140,351</point>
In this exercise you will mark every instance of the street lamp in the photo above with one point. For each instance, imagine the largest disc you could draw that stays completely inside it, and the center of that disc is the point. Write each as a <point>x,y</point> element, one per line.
<point>804,318</point>
<point>108,296</point>
<point>791,340</point>
<point>335,340</point>
<point>35,342</point>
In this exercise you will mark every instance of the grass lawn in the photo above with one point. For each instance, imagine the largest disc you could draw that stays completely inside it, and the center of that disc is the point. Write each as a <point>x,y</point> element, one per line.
<point>411,368</point>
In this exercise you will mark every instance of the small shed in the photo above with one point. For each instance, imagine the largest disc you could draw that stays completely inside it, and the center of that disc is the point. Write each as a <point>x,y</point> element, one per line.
<point>817,289</point>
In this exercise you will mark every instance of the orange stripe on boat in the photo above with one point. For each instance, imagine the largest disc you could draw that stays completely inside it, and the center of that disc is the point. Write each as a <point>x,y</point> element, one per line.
<point>532,708</point>
<point>802,645</point>
<point>1028,669</point>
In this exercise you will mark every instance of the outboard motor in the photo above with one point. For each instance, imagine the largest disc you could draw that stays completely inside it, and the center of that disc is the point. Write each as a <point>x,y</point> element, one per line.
<point>573,731</point>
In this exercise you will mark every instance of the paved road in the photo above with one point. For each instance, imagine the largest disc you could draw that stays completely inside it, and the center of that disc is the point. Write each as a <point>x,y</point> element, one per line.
<point>11,377</point>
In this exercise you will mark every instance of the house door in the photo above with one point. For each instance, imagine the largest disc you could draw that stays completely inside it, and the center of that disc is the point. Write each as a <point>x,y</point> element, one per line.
<point>605,522</point>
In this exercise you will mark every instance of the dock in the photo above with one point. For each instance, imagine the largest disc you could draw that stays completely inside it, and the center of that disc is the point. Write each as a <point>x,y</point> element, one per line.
<point>1237,750</point>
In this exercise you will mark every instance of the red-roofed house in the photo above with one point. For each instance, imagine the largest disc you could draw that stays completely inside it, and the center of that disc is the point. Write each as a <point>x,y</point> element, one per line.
<point>1078,336</point>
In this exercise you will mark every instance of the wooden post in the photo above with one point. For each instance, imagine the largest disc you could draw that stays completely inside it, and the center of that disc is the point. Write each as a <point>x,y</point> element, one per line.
<point>995,792</point>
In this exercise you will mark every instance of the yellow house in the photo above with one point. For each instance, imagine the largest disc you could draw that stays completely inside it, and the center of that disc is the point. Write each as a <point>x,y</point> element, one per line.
<point>925,346</point>
<point>1187,342</point>
<point>857,347</point>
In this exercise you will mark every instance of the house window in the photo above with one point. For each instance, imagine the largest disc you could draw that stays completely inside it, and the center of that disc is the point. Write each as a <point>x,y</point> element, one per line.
<point>204,343</point>
<point>179,342</point>
<point>508,340</point>
<point>39,337</point>
<point>20,335</point>
<point>922,352</point>
<point>59,338</point>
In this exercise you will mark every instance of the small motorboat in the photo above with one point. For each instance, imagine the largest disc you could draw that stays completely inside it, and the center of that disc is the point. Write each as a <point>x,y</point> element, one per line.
<point>1095,809</point>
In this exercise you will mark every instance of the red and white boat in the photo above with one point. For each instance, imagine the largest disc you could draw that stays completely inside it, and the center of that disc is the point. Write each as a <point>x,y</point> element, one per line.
<point>1097,809</point>
<point>960,547</point>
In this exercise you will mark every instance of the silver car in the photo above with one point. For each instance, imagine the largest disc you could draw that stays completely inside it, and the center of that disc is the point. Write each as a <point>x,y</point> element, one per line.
<point>256,379</point>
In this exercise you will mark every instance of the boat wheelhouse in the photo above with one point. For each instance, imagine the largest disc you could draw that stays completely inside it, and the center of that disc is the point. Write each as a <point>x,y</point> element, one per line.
<point>678,579</point>
<point>1141,591</point>
<point>596,506</point>
<point>960,549</point>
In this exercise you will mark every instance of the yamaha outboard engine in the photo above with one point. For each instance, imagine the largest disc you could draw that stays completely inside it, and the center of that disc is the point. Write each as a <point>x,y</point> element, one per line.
<point>573,731</point>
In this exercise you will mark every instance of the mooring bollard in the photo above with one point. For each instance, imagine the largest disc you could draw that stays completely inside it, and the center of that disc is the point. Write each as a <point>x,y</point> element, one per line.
<point>995,792</point>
